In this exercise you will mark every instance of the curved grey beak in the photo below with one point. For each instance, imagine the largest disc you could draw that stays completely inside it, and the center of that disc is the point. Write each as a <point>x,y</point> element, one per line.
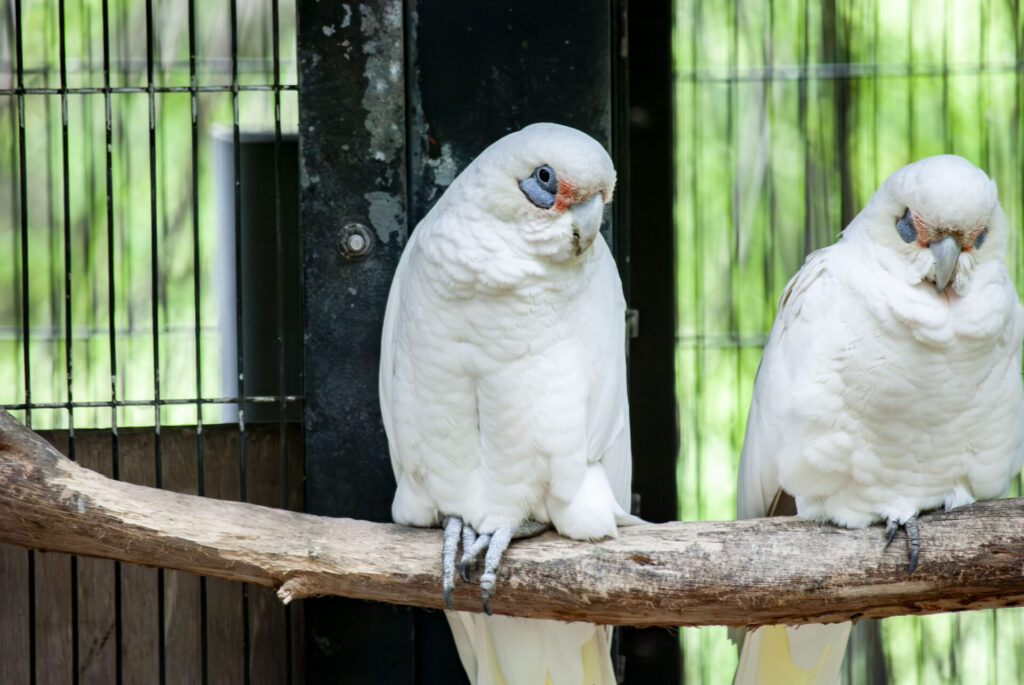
<point>586,220</point>
<point>946,252</point>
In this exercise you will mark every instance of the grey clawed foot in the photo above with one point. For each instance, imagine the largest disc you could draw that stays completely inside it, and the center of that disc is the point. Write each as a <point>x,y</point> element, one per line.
<point>914,540</point>
<point>500,540</point>
<point>472,545</point>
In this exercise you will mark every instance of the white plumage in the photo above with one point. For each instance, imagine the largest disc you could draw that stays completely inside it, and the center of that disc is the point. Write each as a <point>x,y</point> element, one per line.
<point>502,381</point>
<point>883,391</point>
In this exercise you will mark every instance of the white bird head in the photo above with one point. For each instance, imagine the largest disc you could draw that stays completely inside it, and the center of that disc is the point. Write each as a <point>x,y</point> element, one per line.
<point>546,185</point>
<point>942,215</point>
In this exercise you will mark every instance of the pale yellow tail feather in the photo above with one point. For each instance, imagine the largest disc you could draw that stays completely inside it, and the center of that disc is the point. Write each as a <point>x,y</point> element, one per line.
<point>501,650</point>
<point>800,655</point>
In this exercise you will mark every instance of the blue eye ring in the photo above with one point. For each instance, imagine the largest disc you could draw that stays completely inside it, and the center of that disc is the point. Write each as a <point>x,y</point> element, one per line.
<point>980,238</point>
<point>546,178</point>
<point>541,186</point>
<point>905,227</point>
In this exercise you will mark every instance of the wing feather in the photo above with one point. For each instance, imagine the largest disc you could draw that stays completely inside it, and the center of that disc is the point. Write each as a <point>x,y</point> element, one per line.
<point>386,377</point>
<point>804,303</point>
<point>608,405</point>
<point>814,653</point>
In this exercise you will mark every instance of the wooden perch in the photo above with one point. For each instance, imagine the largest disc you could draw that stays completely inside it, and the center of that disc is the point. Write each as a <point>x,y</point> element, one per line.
<point>783,570</point>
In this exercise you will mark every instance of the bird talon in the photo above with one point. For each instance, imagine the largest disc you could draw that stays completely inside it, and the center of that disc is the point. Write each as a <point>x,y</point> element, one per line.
<point>472,545</point>
<point>915,543</point>
<point>913,540</point>
<point>890,528</point>
<point>487,605</point>
<point>486,586</point>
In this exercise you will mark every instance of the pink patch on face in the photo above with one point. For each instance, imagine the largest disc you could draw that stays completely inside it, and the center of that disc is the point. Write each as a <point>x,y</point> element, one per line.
<point>924,231</point>
<point>566,194</point>
<point>972,237</point>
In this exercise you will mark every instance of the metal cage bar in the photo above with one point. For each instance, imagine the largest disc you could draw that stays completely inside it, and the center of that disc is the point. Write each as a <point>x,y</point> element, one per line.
<point>204,656</point>
<point>282,365</point>
<point>122,62</point>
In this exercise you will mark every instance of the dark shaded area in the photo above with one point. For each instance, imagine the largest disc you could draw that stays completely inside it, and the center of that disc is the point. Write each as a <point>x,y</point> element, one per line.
<point>261,333</point>
<point>652,655</point>
<point>348,472</point>
<point>480,70</point>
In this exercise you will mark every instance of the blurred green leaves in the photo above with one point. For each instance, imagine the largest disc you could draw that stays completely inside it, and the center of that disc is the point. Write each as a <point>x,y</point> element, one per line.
<point>122,293</point>
<point>788,116</point>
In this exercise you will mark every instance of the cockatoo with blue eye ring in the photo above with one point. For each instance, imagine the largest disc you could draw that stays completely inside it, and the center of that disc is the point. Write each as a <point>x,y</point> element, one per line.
<point>503,385</point>
<point>890,383</point>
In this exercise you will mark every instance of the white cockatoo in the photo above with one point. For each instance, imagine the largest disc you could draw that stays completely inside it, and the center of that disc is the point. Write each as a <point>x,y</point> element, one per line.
<point>503,385</point>
<point>890,383</point>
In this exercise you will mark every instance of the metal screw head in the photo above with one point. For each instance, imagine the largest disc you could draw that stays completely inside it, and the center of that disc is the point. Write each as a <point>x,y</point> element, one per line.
<point>355,242</point>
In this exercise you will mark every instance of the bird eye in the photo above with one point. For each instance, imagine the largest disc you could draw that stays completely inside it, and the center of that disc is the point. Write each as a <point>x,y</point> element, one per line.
<point>545,176</point>
<point>905,227</point>
<point>541,186</point>
<point>981,237</point>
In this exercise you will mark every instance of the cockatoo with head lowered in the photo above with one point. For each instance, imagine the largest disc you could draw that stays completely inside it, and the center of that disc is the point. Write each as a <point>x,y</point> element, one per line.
<point>503,385</point>
<point>890,383</point>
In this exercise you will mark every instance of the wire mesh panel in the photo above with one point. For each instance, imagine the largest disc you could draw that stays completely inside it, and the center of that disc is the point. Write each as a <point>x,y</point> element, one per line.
<point>111,336</point>
<point>788,116</point>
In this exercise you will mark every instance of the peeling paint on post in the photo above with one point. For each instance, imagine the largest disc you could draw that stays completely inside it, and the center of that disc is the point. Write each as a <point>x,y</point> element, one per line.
<point>352,119</point>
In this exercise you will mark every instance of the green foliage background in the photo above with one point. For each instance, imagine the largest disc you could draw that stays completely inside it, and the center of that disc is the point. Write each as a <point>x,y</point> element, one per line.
<point>136,286</point>
<point>788,116</point>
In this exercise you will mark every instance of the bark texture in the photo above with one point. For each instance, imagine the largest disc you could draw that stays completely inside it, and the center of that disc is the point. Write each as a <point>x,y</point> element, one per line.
<point>779,570</point>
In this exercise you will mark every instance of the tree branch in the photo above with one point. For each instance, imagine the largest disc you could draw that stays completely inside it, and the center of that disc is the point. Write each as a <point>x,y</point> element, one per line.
<point>783,570</point>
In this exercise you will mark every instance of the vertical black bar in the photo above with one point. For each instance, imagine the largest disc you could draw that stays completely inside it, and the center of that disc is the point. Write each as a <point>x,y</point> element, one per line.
<point>111,320</point>
<point>66,201</point>
<point>197,321</point>
<point>88,159</point>
<point>68,333</point>
<point>345,447</point>
<point>696,189</point>
<point>155,317</point>
<point>836,30</point>
<point>23,200</point>
<point>26,354</point>
<point>651,655</point>
<point>55,292</point>
<point>279,245</point>
<point>809,243</point>
<point>282,426</point>
<point>15,208</point>
<point>732,100</point>
<point>237,165</point>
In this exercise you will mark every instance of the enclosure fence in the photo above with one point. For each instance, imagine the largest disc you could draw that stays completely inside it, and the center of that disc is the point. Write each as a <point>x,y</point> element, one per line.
<point>788,116</point>
<point>138,138</point>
